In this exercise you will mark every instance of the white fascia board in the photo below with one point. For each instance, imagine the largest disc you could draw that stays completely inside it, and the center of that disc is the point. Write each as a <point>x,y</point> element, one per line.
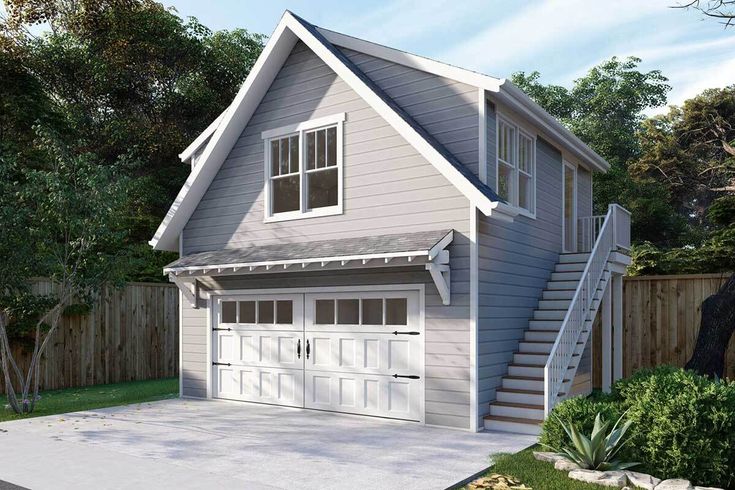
<point>412,60</point>
<point>449,171</point>
<point>342,259</point>
<point>519,101</point>
<point>199,141</point>
<point>226,134</point>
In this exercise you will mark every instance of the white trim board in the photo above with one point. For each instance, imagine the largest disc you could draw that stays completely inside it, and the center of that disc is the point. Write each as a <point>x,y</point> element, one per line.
<point>289,30</point>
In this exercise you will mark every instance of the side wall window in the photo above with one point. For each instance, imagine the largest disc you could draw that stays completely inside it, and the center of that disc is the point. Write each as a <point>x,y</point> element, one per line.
<point>516,166</point>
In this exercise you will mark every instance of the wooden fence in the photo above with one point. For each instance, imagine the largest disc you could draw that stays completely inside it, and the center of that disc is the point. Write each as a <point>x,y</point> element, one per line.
<point>130,334</point>
<point>661,317</point>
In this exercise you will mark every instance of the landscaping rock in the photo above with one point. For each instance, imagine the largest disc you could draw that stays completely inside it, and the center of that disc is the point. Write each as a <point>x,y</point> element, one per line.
<point>674,484</point>
<point>548,457</point>
<point>604,478</point>
<point>707,488</point>
<point>565,465</point>
<point>497,482</point>
<point>642,480</point>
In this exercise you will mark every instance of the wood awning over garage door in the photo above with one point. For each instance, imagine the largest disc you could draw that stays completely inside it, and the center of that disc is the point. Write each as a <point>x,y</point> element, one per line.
<point>426,249</point>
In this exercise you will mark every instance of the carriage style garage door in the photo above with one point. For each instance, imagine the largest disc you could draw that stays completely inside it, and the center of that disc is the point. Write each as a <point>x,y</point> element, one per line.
<point>342,351</point>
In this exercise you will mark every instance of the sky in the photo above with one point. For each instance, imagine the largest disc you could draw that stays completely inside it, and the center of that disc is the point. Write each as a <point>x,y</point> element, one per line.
<point>562,39</point>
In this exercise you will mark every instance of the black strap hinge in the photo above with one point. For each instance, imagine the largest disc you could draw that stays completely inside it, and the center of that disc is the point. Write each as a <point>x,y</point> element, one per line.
<point>396,332</point>
<point>219,328</point>
<point>221,364</point>
<point>410,376</point>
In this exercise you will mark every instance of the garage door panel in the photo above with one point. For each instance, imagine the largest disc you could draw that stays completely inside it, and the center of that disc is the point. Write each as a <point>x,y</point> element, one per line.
<point>363,394</point>
<point>367,353</point>
<point>357,352</point>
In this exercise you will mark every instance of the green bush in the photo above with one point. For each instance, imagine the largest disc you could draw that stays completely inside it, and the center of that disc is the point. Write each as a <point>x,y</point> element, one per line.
<point>683,424</point>
<point>580,411</point>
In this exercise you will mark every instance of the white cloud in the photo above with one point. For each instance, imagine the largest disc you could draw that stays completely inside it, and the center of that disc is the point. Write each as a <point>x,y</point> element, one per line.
<point>398,22</point>
<point>540,27</point>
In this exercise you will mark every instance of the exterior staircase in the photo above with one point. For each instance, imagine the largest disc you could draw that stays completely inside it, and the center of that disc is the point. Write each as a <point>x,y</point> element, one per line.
<point>519,405</point>
<point>542,372</point>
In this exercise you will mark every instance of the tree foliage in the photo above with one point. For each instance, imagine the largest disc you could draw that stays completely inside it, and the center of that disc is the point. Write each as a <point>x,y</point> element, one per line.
<point>63,221</point>
<point>605,109</point>
<point>119,79</point>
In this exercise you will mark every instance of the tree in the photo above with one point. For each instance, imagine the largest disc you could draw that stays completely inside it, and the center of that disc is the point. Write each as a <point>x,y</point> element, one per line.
<point>715,332</point>
<point>724,10</point>
<point>61,222</point>
<point>690,150</point>
<point>605,109</point>
<point>123,79</point>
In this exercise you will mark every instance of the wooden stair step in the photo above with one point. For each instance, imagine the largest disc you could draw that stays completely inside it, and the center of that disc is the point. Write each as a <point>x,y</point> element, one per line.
<point>524,392</point>
<point>518,405</point>
<point>529,378</point>
<point>501,418</point>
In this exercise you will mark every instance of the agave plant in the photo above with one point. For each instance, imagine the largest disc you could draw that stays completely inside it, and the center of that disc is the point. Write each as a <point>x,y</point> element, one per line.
<point>599,451</point>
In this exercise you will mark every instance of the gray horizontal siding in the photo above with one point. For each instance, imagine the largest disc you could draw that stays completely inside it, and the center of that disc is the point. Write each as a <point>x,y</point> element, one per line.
<point>490,148</point>
<point>193,349</point>
<point>515,262</point>
<point>447,109</point>
<point>388,186</point>
<point>447,328</point>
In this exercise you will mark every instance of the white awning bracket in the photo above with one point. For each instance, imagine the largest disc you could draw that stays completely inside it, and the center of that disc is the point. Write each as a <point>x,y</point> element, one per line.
<point>440,271</point>
<point>189,289</point>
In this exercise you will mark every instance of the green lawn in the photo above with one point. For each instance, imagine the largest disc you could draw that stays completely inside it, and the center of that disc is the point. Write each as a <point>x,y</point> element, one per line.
<point>100,396</point>
<point>536,474</point>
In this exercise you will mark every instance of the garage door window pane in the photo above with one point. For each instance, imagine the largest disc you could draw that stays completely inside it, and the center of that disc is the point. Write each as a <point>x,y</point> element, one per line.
<point>284,312</point>
<point>247,311</point>
<point>372,312</point>
<point>396,311</point>
<point>265,311</point>
<point>324,311</point>
<point>229,312</point>
<point>348,311</point>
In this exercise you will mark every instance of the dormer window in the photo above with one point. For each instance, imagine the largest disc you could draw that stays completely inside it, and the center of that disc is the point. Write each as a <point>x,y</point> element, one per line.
<point>303,169</point>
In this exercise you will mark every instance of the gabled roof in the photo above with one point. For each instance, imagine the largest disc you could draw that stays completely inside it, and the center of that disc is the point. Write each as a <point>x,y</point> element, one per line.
<point>224,136</point>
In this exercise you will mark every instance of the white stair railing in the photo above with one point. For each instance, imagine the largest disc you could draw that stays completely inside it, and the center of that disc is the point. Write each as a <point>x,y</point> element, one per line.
<point>589,228</point>
<point>612,233</point>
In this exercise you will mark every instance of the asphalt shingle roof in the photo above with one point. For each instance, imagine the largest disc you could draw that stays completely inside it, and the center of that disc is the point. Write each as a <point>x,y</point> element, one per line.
<point>381,244</point>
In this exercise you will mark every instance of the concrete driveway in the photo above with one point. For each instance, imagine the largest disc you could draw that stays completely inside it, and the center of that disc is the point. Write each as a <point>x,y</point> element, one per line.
<point>183,444</point>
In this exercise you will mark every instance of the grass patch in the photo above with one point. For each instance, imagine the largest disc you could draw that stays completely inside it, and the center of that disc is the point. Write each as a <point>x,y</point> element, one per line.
<point>99,396</point>
<point>538,475</point>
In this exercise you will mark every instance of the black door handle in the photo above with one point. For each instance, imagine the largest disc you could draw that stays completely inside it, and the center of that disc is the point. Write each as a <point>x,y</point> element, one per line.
<point>411,376</point>
<point>298,348</point>
<point>308,348</point>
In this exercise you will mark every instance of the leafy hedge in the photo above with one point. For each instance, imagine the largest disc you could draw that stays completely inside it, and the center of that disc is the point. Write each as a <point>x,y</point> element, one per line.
<point>683,423</point>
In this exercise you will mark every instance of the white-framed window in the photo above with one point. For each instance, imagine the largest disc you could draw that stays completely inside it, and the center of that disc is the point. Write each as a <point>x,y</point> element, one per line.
<point>303,169</point>
<point>516,166</point>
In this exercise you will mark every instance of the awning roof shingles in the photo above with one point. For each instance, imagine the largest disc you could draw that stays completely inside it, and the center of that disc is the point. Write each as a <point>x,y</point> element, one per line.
<point>321,249</point>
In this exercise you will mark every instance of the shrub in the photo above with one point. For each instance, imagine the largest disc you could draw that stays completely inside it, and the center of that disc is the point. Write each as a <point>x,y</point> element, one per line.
<point>683,424</point>
<point>581,411</point>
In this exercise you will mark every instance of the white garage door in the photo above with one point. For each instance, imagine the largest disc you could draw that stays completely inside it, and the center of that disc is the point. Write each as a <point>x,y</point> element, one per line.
<point>344,351</point>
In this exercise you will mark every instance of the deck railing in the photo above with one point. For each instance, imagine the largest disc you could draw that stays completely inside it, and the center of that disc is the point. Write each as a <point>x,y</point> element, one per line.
<point>608,233</point>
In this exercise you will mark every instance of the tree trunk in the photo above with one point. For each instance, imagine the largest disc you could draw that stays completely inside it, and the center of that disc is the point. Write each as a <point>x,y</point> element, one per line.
<point>717,327</point>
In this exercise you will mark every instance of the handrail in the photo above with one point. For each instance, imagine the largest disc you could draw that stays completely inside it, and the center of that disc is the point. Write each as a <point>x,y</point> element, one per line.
<point>577,314</point>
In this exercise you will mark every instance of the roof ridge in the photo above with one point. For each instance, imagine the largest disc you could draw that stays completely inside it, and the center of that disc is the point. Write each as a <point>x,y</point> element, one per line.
<point>449,156</point>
